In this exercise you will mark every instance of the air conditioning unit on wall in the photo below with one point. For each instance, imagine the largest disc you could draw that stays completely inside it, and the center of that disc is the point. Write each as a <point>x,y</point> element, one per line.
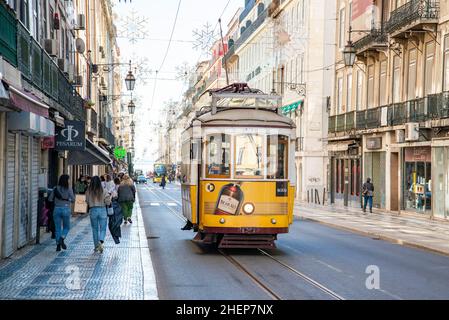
<point>50,46</point>
<point>412,131</point>
<point>81,22</point>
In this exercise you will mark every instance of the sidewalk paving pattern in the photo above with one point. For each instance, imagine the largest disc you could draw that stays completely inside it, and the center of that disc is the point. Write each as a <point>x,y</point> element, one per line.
<point>405,230</point>
<point>123,271</point>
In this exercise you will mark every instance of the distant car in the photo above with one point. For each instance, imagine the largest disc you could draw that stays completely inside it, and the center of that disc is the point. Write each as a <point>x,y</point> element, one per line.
<point>141,179</point>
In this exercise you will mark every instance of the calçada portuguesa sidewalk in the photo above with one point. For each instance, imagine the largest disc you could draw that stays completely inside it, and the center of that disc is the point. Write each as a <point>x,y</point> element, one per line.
<point>412,231</point>
<point>122,272</point>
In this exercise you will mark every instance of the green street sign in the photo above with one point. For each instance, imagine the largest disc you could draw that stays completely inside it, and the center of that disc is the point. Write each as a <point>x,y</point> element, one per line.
<point>120,152</point>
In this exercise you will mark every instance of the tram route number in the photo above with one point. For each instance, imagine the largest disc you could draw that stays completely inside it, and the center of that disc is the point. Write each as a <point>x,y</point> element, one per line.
<point>226,309</point>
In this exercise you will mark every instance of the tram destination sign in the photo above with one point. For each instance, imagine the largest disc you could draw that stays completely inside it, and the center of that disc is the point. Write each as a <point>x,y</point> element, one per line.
<point>71,137</point>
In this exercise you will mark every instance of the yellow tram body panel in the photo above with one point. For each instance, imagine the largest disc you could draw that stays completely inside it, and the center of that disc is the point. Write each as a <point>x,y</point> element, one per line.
<point>189,202</point>
<point>269,205</point>
<point>157,179</point>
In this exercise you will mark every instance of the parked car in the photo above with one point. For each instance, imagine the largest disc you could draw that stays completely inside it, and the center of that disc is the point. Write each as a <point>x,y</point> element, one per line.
<point>141,179</point>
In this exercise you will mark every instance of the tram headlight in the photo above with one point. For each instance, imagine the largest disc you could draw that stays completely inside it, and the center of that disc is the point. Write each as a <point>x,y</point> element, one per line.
<point>248,208</point>
<point>273,221</point>
<point>222,220</point>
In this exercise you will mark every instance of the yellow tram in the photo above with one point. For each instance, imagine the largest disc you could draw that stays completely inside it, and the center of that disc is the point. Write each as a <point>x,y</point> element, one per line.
<point>238,174</point>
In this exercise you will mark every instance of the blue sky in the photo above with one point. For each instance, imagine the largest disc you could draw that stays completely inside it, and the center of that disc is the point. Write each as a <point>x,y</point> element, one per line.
<point>158,17</point>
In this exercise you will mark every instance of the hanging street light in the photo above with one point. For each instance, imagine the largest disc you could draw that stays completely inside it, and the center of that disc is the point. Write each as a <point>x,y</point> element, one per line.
<point>349,52</point>
<point>130,80</point>
<point>132,125</point>
<point>131,107</point>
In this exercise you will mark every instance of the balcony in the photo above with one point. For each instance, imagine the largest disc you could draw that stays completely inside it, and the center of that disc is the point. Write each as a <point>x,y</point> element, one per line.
<point>360,123</point>
<point>248,7</point>
<point>377,39</point>
<point>418,110</point>
<point>38,69</point>
<point>8,34</point>
<point>373,118</point>
<point>397,114</point>
<point>332,124</point>
<point>92,121</point>
<point>340,123</point>
<point>106,134</point>
<point>415,15</point>
<point>438,105</point>
<point>350,121</point>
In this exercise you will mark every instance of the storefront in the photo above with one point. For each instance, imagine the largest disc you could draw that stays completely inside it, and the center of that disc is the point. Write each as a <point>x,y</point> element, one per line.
<point>374,162</point>
<point>440,181</point>
<point>417,178</point>
<point>23,169</point>
<point>345,173</point>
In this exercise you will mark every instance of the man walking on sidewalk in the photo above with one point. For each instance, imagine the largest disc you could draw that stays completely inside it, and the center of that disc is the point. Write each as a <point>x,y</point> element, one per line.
<point>367,192</point>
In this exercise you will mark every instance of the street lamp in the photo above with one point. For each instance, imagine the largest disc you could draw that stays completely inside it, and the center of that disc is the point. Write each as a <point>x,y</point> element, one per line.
<point>349,54</point>
<point>130,80</point>
<point>131,107</point>
<point>132,125</point>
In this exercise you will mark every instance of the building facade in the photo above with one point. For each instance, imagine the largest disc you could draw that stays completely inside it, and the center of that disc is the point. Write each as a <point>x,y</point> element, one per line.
<point>286,47</point>
<point>44,83</point>
<point>388,119</point>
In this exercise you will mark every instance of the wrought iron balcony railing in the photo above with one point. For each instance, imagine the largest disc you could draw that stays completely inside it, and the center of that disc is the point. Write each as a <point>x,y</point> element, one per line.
<point>106,133</point>
<point>413,11</point>
<point>350,121</point>
<point>8,34</point>
<point>340,123</point>
<point>332,124</point>
<point>376,38</point>
<point>373,118</point>
<point>360,120</point>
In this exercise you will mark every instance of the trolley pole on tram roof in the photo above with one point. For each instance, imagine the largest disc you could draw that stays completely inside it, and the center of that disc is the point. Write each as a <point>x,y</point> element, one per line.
<point>224,53</point>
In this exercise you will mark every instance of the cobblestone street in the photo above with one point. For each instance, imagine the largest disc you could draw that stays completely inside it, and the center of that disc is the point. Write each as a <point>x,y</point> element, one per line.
<point>123,271</point>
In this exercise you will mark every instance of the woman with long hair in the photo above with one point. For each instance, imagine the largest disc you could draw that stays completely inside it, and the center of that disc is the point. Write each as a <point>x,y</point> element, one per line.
<point>63,197</point>
<point>126,197</point>
<point>97,199</point>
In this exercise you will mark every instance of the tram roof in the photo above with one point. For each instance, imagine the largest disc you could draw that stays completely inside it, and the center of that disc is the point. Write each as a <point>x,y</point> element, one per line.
<point>245,117</point>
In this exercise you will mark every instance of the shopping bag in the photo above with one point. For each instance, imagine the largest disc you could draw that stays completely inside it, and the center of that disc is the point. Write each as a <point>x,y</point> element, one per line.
<point>80,204</point>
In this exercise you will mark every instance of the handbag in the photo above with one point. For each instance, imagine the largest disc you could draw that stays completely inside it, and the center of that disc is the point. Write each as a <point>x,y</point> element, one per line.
<point>110,210</point>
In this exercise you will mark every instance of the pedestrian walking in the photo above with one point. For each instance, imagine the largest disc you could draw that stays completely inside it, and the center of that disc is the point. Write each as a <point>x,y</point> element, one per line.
<point>81,185</point>
<point>367,192</point>
<point>126,197</point>
<point>163,182</point>
<point>109,184</point>
<point>63,197</point>
<point>97,199</point>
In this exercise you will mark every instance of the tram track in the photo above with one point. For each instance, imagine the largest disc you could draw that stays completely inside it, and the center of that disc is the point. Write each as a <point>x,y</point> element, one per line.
<point>263,285</point>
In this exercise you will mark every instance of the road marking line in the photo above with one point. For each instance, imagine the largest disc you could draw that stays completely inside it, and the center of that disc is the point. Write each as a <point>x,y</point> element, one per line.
<point>155,204</point>
<point>171,204</point>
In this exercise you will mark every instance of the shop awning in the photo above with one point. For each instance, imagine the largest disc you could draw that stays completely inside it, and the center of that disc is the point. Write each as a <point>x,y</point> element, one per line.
<point>93,155</point>
<point>5,100</point>
<point>292,107</point>
<point>340,146</point>
<point>27,102</point>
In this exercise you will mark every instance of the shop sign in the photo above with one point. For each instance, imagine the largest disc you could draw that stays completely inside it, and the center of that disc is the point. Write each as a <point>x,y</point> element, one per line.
<point>48,143</point>
<point>418,154</point>
<point>120,153</point>
<point>374,143</point>
<point>72,137</point>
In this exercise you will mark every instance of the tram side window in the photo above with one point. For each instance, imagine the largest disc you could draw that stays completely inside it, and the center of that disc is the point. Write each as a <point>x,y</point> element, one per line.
<point>277,155</point>
<point>186,161</point>
<point>249,156</point>
<point>218,148</point>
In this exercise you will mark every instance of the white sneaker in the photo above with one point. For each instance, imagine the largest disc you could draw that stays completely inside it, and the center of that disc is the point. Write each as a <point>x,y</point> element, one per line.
<point>100,248</point>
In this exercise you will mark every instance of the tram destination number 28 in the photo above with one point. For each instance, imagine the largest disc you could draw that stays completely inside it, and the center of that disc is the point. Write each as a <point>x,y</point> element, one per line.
<point>226,309</point>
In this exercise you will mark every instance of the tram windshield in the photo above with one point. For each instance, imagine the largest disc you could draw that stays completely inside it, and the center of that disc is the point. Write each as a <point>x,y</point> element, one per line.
<point>249,156</point>
<point>254,156</point>
<point>218,155</point>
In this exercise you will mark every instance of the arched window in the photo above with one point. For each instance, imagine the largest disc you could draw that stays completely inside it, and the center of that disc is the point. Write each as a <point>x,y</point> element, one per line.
<point>260,8</point>
<point>242,29</point>
<point>230,43</point>
<point>248,23</point>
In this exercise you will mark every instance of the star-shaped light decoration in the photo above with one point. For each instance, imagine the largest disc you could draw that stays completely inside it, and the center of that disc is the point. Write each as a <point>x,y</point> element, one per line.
<point>133,27</point>
<point>204,38</point>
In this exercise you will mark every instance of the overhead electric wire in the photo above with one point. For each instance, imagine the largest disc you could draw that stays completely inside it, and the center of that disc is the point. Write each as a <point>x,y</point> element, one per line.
<point>166,52</point>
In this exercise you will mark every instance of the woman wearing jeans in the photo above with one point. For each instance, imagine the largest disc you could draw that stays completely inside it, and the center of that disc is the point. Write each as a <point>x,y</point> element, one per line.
<point>97,199</point>
<point>63,197</point>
